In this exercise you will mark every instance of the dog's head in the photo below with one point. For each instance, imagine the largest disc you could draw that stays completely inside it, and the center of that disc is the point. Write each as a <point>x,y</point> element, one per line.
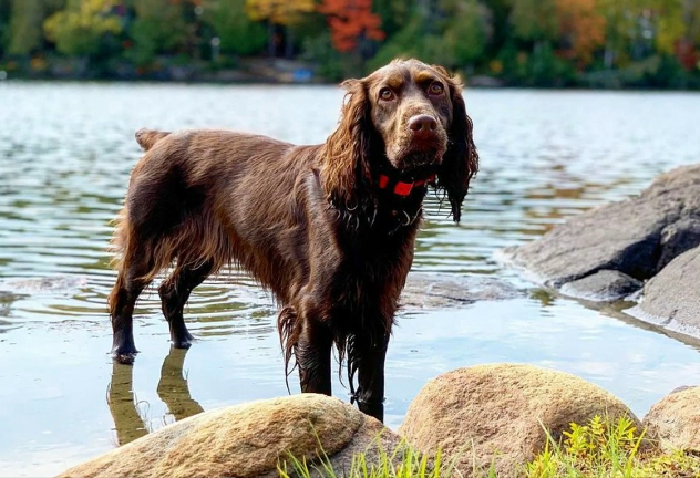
<point>410,116</point>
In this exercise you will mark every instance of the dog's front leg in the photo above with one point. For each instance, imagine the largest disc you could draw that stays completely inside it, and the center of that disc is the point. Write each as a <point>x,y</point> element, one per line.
<point>313,356</point>
<point>370,357</point>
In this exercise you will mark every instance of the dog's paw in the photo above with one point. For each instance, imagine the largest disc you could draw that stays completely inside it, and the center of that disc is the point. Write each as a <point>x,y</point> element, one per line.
<point>124,352</point>
<point>183,341</point>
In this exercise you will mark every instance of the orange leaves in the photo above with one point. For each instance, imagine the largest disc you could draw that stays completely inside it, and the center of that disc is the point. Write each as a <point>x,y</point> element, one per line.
<point>348,20</point>
<point>582,21</point>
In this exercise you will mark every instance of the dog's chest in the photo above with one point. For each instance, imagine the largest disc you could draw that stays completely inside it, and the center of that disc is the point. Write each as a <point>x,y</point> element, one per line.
<point>370,272</point>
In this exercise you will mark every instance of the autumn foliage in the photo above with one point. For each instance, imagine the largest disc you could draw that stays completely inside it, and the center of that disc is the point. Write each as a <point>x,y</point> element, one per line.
<point>282,12</point>
<point>349,20</point>
<point>582,23</point>
<point>591,43</point>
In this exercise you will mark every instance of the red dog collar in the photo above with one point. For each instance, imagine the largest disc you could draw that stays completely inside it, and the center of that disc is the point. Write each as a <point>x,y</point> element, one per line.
<point>403,188</point>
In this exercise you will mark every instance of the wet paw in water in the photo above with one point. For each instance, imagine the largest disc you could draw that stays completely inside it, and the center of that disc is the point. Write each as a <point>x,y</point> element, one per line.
<point>184,342</point>
<point>124,350</point>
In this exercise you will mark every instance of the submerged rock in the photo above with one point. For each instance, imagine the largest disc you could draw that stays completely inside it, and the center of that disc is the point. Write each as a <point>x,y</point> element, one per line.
<point>603,286</point>
<point>432,291</point>
<point>637,236</point>
<point>246,441</point>
<point>42,284</point>
<point>495,414</point>
<point>675,420</point>
<point>672,298</point>
<point>422,291</point>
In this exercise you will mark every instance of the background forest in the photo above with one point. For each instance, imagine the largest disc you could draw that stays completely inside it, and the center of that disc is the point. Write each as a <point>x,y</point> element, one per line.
<point>545,43</point>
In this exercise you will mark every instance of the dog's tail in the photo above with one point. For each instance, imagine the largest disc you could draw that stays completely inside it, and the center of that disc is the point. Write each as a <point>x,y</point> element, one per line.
<point>147,138</point>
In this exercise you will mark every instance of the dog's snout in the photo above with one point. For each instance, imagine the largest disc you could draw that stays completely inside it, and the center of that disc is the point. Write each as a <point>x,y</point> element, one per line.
<point>422,124</point>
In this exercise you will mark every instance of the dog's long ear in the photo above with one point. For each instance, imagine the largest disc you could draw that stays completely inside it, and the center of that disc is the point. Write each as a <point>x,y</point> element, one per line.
<point>345,168</point>
<point>460,161</point>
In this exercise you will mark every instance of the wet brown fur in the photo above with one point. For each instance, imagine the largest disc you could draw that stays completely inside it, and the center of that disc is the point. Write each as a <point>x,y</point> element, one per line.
<point>306,221</point>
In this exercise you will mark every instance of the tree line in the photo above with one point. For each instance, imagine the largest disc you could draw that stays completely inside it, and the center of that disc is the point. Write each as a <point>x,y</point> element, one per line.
<point>592,43</point>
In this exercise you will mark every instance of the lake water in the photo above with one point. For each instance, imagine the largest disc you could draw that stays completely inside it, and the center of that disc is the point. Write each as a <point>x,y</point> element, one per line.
<point>66,151</point>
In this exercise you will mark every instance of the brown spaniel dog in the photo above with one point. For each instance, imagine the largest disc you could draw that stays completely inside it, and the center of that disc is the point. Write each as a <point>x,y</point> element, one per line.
<point>329,229</point>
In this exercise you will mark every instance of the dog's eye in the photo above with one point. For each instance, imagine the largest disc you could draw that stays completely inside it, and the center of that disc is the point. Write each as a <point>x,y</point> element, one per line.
<point>386,94</point>
<point>436,88</point>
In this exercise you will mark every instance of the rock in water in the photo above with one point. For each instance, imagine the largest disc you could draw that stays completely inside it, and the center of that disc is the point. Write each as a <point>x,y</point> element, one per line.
<point>426,291</point>
<point>495,413</point>
<point>675,421</point>
<point>603,286</point>
<point>672,298</point>
<point>637,236</point>
<point>678,238</point>
<point>246,441</point>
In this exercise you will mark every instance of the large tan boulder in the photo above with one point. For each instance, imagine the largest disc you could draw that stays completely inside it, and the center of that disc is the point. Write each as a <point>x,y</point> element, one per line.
<point>675,420</point>
<point>495,414</point>
<point>248,440</point>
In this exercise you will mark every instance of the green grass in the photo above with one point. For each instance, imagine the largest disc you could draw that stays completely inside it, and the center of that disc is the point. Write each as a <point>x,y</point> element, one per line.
<point>598,449</point>
<point>403,462</point>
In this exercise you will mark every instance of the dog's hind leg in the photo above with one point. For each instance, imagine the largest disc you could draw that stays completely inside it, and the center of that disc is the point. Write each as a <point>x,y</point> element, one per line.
<point>174,293</point>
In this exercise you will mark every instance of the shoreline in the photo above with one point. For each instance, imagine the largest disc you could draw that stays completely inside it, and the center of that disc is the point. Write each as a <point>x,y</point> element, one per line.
<point>287,84</point>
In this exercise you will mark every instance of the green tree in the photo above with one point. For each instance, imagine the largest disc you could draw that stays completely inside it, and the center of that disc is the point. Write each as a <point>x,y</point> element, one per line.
<point>5,7</point>
<point>78,29</point>
<point>670,24</point>
<point>501,30</point>
<point>453,33</point>
<point>25,26</point>
<point>622,29</point>
<point>465,30</point>
<point>235,31</point>
<point>691,17</point>
<point>535,20</point>
<point>394,14</point>
<point>159,27</point>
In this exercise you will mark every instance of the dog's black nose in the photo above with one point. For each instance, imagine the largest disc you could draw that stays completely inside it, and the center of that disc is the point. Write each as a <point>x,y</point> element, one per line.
<point>422,124</point>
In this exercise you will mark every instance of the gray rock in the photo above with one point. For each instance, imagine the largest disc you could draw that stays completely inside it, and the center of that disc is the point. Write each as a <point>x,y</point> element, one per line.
<point>42,284</point>
<point>603,286</point>
<point>439,291</point>
<point>672,298</point>
<point>625,236</point>
<point>678,238</point>
<point>680,389</point>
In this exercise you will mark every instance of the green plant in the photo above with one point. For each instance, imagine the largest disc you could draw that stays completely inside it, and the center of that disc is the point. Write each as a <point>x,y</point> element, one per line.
<point>608,449</point>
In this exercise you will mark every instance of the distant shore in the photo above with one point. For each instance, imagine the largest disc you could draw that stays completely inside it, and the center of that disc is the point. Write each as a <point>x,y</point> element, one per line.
<point>231,78</point>
<point>289,72</point>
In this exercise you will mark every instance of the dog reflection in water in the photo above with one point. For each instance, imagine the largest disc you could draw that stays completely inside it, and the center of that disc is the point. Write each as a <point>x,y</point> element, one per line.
<point>172,390</point>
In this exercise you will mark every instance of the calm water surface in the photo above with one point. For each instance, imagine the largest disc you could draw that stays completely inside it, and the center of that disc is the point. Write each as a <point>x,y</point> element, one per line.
<point>65,155</point>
